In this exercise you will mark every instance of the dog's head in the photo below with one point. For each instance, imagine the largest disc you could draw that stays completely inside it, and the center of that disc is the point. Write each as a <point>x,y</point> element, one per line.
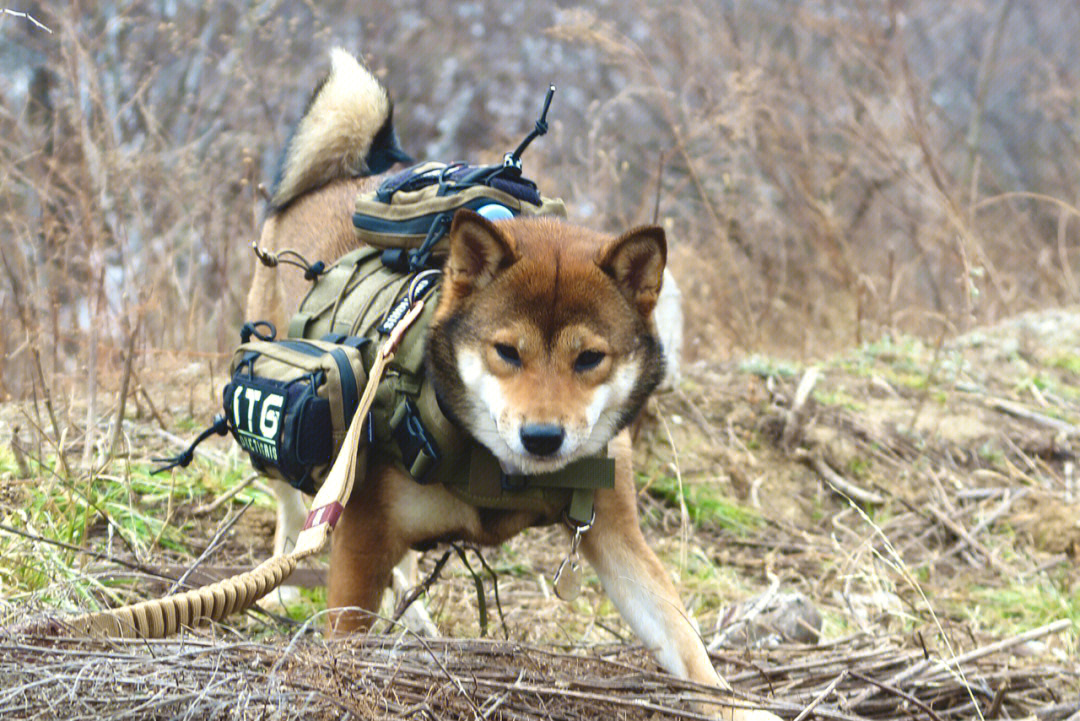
<point>543,345</point>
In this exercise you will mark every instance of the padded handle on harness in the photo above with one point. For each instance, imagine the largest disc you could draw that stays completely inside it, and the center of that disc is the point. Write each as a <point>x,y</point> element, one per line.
<point>165,616</point>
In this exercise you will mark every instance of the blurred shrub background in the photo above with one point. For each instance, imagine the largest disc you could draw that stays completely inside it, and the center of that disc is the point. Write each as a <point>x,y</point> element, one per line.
<point>827,171</point>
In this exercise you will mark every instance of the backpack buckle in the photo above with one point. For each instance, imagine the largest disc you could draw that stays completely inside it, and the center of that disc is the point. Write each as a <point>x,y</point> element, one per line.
<point>419,453</point>
<point>513,482</point>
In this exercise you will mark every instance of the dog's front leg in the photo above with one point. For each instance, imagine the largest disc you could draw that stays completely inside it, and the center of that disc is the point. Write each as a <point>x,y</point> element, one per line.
<point>291,513</point>
<point>365,547</point>
<point>386,514</point>
<point>640,587</point>
<point>637,582</point>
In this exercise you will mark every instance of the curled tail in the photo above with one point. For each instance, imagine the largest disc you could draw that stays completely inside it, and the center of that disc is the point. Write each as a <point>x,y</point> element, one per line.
<point>347,130</point>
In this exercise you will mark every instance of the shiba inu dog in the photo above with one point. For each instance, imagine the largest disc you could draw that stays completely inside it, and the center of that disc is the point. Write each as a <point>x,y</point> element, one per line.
<point>543,348</point>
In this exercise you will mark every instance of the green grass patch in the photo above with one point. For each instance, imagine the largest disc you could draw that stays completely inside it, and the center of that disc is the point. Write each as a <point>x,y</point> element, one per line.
<point>991,454</point>
<point>706,505</point>
<point>839,398</point>
<point>1065,361</point>
<point>312,601</point>
<point>915,380</point>
<point>835,624</point>
<point>904,353</point>
<point>859,467</point>
<point>125,511</point>
<point>188,424</point>
<point>766,367</point>
<point>1021,607</point>
<point>214,481</point>
<point>122,510</point>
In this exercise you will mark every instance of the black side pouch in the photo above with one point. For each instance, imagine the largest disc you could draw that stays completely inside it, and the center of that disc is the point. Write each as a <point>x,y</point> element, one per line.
<point>285,427</point>
<point>289,403</point>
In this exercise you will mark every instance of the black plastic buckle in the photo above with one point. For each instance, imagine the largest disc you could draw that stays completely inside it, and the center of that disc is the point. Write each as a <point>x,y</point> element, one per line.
<point>517,482</point>
<point>402,260</point>
<point>396,259</point>
<point>420,258</point>
<point>350,341</point>
<point>412,439</point>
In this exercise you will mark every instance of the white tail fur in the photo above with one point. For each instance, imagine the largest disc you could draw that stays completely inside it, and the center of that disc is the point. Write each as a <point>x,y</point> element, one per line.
<point>333,139</point>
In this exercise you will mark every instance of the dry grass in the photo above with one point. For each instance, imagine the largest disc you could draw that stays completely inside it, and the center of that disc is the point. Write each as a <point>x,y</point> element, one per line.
<point>826,173</point>
<point>401,677</point>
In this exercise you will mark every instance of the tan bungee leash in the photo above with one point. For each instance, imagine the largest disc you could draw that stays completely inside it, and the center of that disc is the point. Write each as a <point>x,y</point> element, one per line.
<point>165,616</point>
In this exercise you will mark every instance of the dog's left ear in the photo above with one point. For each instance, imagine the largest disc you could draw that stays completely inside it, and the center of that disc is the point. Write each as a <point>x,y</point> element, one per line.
<point>635,261</point>
<point>478,250</point>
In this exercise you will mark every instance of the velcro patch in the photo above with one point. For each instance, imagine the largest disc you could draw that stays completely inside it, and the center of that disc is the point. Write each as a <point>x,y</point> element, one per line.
<point>327,514</point>
<point>256,409</point>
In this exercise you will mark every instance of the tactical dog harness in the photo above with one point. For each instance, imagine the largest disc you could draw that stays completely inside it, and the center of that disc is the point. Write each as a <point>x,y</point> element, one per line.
<point>360,298</point>
<point>289,402</point>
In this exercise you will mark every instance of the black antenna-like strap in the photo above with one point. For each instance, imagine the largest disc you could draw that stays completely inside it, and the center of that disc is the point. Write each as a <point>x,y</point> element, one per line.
<point>513,160</point>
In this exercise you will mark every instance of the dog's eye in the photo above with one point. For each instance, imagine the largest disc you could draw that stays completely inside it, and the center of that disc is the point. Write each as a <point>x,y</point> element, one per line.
<point>508,353</point>
<point>588,360</point>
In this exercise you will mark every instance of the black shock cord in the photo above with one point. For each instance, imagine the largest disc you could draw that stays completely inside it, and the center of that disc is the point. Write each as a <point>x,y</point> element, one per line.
<point>288,256</point>
<point>513,160</point>
<point>183,460</point>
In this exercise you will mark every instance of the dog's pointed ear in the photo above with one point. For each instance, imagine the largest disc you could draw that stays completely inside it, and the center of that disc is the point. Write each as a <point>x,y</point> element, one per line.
<point>478,250</point>
<point>635,261</point>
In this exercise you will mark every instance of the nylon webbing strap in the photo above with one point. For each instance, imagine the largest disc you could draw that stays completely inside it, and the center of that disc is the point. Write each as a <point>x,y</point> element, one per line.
<point>568,493</point>
<point>590,473</point>
<point>165,616</point>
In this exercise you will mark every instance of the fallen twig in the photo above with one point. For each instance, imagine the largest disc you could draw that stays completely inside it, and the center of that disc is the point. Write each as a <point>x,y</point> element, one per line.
<point>961,533</point>
<point>822,696</point>
<point>210,548</point>
<point>990,649</point>
<point>795,423</point>
<point>927,667</point>
<point>1019,411</point>
<point>224,497</point>
<point>897,692</point>
<point>421,587</point>
<point>837,482</point>
<point>385,676</point>
<point>25,16</point>
<point>1010,498</point>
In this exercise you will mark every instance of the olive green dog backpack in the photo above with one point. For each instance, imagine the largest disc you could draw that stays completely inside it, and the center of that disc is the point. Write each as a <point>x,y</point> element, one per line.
<point>409,215</point>
<point>290,401</point>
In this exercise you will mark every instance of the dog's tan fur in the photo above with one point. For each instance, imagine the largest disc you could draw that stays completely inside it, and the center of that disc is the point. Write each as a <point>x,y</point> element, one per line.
<point>615,279</point>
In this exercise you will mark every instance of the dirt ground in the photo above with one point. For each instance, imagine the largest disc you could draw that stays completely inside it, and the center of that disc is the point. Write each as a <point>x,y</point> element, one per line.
<point>922,496</point>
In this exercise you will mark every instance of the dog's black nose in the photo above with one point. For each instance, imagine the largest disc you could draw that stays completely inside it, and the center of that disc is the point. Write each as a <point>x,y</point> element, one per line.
<point>542,439</point>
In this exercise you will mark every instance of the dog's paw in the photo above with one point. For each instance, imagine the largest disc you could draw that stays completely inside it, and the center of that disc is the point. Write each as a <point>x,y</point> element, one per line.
<point>738,713</point>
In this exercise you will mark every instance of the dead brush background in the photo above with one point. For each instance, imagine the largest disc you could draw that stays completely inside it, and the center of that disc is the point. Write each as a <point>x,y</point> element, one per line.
<point>827,170</point>
<point>860,181</point>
